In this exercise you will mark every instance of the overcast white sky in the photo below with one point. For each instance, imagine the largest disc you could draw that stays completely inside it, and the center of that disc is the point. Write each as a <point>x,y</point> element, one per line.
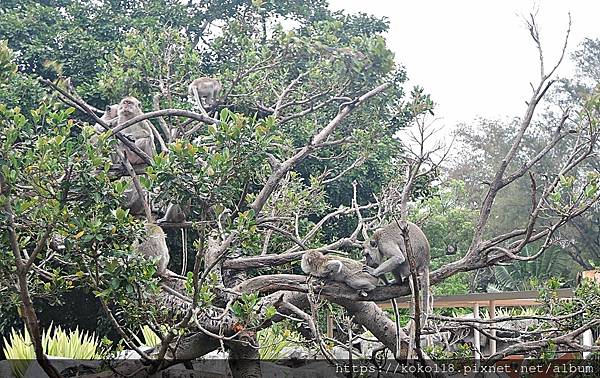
<point>476,57</point>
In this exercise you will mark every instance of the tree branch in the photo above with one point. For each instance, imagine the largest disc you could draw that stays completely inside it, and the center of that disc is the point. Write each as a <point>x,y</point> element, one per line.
<point>320,137</point>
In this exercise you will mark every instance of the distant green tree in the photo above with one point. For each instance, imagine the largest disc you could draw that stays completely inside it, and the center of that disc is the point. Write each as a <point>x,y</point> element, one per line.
<point>523,275</point>
<point>583,233</point>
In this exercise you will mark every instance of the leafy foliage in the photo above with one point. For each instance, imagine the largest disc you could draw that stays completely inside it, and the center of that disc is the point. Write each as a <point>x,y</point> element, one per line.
<point>287,68</point>
<point>274,339</point>
<point>527,275</point>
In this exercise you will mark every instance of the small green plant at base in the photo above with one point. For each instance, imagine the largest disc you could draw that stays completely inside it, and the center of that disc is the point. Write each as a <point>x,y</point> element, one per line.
<point>76,345</point>
<point>272,340</point>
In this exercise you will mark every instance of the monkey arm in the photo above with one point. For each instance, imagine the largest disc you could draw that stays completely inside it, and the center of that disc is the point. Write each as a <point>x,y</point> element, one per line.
<point>387,266</point>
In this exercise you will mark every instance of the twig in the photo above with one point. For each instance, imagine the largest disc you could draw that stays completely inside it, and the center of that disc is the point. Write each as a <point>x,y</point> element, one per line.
<point>320,137</point>
<point>136,184</point>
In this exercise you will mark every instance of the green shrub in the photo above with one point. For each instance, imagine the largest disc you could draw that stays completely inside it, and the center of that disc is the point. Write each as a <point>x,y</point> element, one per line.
<point>272,340</point>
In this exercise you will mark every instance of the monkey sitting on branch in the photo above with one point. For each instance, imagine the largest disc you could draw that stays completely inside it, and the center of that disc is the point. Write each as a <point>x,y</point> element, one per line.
<point>338,269</point>
<point>140,133</point>
<point>154,246</point>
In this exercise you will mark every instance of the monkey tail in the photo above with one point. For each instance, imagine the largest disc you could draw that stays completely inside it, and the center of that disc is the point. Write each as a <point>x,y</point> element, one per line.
<point>427,297</point>
<point>397,316</point>
<point>184,251</point>
<point>412,322</point>
<point>427,302</point>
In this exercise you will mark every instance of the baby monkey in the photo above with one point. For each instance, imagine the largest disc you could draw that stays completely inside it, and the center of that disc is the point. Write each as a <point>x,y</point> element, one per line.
<point>109,117</point>
<point>338,269</point>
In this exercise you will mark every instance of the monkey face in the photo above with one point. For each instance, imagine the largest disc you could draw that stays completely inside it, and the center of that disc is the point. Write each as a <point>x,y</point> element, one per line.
<point>310,262</point>
<point>314,257</point>
<point>371,253</point>
<point>111,111</point>
<point>129,106</point>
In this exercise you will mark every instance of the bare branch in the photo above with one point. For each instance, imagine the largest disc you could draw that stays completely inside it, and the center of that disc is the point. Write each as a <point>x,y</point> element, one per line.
<point>161,121</point>
<point>356,163</point>
<point>498,181</point>
<point>320,137</point>
<point>567,338</point>
<point>287,234</point>
<point>291,85</point>
<point>164,113</point>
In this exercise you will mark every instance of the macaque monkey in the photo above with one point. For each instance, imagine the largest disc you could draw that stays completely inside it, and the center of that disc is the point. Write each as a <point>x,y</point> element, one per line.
<point>141,132</point>
<point>386,252</point>
<point>175,213</point>
<point>110,114</point>
<point>133,201</point>
<point>338,269</point>
<point>57,243</point>
<point>204,88</point>
<point>154,246</point>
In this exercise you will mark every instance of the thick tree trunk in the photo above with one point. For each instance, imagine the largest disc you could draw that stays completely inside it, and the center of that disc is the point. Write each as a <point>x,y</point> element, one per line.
<point>373,318</point>
<point>244,359</point>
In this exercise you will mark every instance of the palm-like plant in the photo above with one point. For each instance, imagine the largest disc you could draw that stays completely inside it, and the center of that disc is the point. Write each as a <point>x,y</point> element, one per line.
<point>76,345</point>
<point>525,275</point>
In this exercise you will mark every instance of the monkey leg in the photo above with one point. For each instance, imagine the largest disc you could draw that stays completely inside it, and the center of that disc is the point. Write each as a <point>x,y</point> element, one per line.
<point>144,144</point>
<point>115,157</point>
<point>199,104</point>
<point>361,283</point>
<point>389,265</point>
<point>332,267</point>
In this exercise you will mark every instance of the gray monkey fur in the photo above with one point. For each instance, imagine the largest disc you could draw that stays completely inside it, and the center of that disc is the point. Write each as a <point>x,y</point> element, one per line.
<point>110,114</point>
<point>385,252</point>
<point>154,246</point>
<point>338,269</point>
<point>176,213</point>
<point>133,202</point>
<point>207,89</point>
<point>140,132</point>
